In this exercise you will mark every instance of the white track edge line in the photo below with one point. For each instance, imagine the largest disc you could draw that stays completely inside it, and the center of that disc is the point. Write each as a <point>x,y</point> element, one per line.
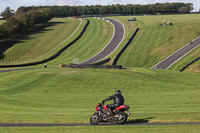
<point>120,41</point>
<point>174,53</point>
<point>183,56</point>
<point>108,42</point>
<point>104,47</point>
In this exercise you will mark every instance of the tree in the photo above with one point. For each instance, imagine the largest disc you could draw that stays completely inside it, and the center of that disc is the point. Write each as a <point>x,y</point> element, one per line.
<point>183,10</point>
<point>7,13</point>
<point>6,30</point>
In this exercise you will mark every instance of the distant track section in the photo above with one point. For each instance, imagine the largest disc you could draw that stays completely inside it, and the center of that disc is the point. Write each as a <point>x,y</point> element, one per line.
<point>118,36</point>
<point>176,56</point>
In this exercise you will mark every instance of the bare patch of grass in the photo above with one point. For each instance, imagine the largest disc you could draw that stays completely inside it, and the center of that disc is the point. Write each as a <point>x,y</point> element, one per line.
<point>43,72</point>
<point>106,29</point>
<point>70,72</point>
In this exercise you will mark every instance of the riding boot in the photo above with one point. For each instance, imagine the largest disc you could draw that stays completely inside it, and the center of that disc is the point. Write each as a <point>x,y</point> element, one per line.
<point>111,114</point>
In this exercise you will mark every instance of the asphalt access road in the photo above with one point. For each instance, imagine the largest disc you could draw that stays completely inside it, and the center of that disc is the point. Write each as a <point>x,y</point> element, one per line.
<point>10,70</point>
<point>173,58</point>
<point>118,36</point>
<point>53,125</point>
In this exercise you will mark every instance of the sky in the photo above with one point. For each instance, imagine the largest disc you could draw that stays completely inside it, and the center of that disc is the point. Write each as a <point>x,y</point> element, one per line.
<point>15,4</point>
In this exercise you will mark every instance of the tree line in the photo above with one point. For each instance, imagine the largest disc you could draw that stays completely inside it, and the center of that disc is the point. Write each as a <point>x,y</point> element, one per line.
<point>26,18</point>
<point>161,8</point>
<point>22,22</point>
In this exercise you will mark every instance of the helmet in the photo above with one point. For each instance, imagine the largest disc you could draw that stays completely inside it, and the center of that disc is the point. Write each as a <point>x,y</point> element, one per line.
<point>118,92</point>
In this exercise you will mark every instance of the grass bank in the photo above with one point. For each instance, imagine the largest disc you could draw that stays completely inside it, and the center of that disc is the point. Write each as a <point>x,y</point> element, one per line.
<point>95,38</point>
<point>43,43</point>
<point>153,42</point>
<point>70,95</point>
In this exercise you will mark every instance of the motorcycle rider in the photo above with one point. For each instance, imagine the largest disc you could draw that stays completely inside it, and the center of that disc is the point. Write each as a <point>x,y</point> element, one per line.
<point>118,101</point>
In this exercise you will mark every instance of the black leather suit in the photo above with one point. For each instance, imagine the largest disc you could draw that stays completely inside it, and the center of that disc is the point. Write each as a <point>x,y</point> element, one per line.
<point>118,100</point>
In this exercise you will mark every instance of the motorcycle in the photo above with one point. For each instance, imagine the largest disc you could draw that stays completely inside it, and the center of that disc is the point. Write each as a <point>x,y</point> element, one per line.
<point>103,114</point>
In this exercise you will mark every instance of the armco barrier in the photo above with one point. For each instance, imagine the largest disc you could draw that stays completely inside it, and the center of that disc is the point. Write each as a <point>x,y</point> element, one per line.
<point>125,46</point>
<point>55,55</point>
<point>102,62</point>
<point>91,66</point>
<point>182,69</point>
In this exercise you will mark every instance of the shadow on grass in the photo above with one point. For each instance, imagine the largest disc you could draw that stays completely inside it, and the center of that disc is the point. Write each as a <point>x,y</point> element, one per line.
<point>20,38</point>
<point>144,120</point>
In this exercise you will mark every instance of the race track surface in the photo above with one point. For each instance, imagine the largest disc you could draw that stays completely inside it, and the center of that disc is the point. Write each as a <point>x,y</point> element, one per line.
<point>10,70</point>
<point>118,36</point>
<point>112,124</point>
<point>176,56</point>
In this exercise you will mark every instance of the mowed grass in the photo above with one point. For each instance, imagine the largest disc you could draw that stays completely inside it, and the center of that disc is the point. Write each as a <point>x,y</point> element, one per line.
<point>40,43</point>
<point>70,95</point>
<point>153,42</point>
<point>107,129</point>
<point>95,38</point>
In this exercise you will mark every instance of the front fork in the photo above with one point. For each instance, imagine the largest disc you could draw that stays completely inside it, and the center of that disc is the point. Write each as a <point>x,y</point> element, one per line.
<point>99,113</point>
<point>128,112</point>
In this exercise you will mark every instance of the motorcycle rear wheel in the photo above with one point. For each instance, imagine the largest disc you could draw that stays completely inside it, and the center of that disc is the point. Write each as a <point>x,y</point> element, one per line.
<point>94,119</point>
<point>122,118</point>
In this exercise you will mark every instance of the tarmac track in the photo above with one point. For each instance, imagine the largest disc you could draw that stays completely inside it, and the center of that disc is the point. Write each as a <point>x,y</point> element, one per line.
<point>10,70</point>
<point>176,56</point>
<point>118,36</point>
<point>54,125</point>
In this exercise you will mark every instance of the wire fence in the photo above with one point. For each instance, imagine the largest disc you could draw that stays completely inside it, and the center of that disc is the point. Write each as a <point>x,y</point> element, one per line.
<point>43,56</point>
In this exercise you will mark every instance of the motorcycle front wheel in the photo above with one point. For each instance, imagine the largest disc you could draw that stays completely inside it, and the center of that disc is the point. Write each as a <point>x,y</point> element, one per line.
<point>122,117</point>
<point>94,119</point>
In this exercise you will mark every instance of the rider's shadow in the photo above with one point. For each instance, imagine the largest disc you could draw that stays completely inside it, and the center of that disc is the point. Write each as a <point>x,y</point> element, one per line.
<point>144,120</point>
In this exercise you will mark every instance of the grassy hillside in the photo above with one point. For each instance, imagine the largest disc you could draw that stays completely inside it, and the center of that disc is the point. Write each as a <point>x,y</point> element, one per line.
<point>44,43</point>
<point>153,42</point>
<point>70,95</point>
<point>97,35</point>
<point>95,38</point>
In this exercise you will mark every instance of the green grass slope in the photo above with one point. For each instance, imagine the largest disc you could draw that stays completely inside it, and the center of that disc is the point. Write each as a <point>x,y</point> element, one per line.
<point>107,129</point>
<point>43,44</point>
<point>95,38</point>
<point>153,42</point>
<point>70,95</point>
